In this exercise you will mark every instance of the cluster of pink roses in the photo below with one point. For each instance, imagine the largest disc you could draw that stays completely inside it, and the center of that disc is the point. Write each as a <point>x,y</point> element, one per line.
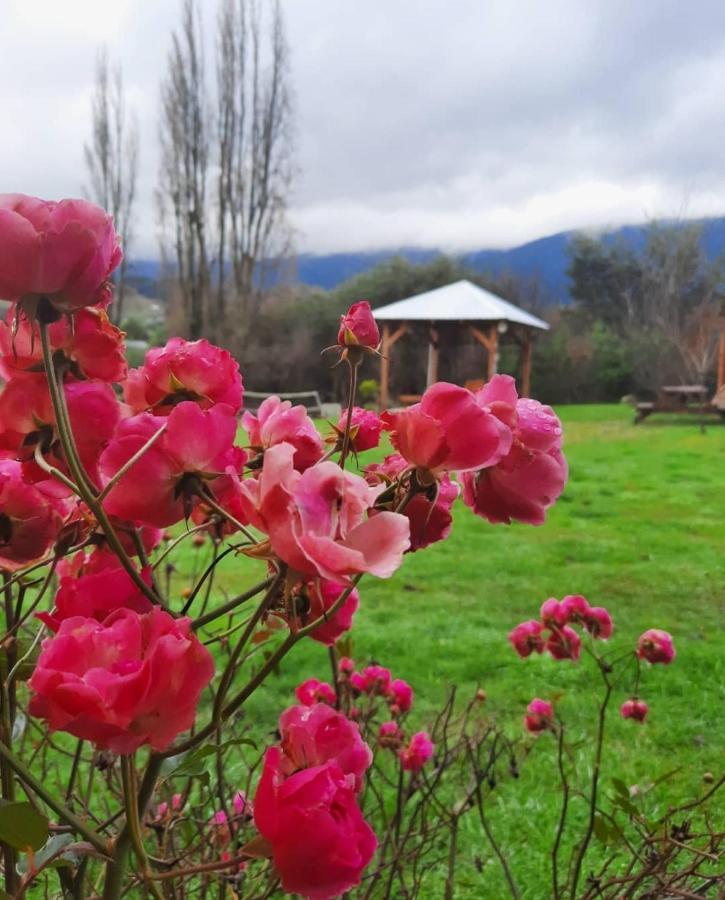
<point>306,804</point>
<point>553,632</point>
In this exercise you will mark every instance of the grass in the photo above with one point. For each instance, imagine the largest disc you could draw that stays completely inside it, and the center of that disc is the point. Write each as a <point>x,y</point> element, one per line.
<point>639,530</point>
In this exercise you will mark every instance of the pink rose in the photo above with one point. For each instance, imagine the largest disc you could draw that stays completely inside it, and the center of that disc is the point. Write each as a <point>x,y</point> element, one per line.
<point>634,709</point>
<point>320,841</point>
<point>365,428</point>
<point>317,520</point>
<point>656,647</point>
<point>358,327</point>
<point>575,608</point>
<point>64,251</point>
<point>92,347</point>
<point>129,681</point>
<point>322,595</point>
<point>539,716</point>
<point>530,477</point>
<point>429,513</point>
<point>599,623</point>
<point>196,452</point>
<point>184,370</point>
<point>448,431</point>
<point>564,643</point>
<point>278,422</point>
<point>553,613</point>
<point>30,517</point>
<point>345,666</point>
<point>104,587</point>
<point>313,691</point>
<point>400,694</point>
<point>317,734</point>
<point>419,750</point>
<point>527,638</point>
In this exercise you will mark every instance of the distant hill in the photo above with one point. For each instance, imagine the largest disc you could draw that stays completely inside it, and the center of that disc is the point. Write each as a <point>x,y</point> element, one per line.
<point>545,258</point>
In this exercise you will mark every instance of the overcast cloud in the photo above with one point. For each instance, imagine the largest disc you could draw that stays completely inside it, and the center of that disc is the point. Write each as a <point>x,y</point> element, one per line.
<point>442,123</point>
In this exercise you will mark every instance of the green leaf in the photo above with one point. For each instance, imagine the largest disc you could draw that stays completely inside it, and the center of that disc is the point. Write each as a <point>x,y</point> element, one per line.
<point>602,830</point>
<point>620,787</point>
<point>22,827</point>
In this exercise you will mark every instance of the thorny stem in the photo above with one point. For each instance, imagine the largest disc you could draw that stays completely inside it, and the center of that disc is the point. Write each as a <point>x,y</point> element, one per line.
<point>85,491</point>
<point>133,823</point>
<point>231,605</point>
<point>562,816</point>
<point>350,404</point>
<point>117,476</point>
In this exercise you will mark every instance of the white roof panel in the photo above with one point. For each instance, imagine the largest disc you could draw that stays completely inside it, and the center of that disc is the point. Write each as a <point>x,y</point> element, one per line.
<point>460,301</point>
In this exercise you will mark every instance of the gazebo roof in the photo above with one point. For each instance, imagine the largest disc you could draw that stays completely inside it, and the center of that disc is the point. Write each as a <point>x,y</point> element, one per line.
<point>461,301</point>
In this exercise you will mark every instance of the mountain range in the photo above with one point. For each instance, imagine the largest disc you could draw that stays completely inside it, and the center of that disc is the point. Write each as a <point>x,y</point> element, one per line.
<point>545,258</point>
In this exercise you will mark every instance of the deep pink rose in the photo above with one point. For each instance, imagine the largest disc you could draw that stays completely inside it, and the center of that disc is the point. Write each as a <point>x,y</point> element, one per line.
<point>317,520</point>
<point>345,666</point>
<point>390,735</point>
<point>539,716</point>
<point>322,595</point>
<point>104,587</point>
<point>320,841</point>
<point>92,346</point>
<point>599,623</point>
<point>564,643</point>
<point>553,613</point>
<point>575,608</point>
<point>278,422</point>
<point>184,370</point>
<point>532,475</point>
<point>27,418</point>
<point>429,513</point>
<point>634,709</point>
<point>377,679</point>
<point>65,251</point>
<point>419,750</point>
<point>365,428</point>
<point>30,517</point>
<point>400,694</point>
<point>358,327</point>
<point>656,646</point>
<point>448,431</point>
<point>314,691</point>
<point>314,735</point>
<point>129,681</point>
<point>196,451</point>
<point>527,638</point>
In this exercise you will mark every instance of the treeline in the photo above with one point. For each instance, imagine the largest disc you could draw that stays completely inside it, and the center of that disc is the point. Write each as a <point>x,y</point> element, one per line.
<point>639,318</point>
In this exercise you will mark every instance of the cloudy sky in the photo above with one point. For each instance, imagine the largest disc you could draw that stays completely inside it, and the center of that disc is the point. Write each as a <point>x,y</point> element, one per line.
<point>440,123</point>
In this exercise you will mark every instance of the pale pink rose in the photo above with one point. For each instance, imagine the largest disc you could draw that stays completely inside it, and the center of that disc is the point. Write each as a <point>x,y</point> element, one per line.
<point>184,370</point>
<point>527,638</point>
<point>64,251</point>
<point>240,803</point>
<point>320,841</point>
<point>278,422</point>
<point>129,681</point>
<point>358,327</point>
<point>539,716</point>
<point>448,431</point>
<point>314,691</point>
<point>317,520</point>
<point>634,709</point>
<point>364,430</point>
<point>564,643</point>
<point>419,750</point>
<point>656,646</point>
<point>314,735</point>
<point>532,475</point>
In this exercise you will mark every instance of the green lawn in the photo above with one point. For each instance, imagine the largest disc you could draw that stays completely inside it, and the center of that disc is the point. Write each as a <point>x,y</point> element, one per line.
<point>639,530</point>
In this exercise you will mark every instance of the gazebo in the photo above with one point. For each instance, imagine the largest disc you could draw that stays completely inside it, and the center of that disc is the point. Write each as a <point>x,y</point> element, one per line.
<point>487,317</point>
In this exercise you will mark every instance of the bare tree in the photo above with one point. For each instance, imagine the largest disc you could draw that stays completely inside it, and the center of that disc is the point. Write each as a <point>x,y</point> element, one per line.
<point>112,161</point>
<point>225,177</point>
<point>254,133</point>
<point>182,194</point>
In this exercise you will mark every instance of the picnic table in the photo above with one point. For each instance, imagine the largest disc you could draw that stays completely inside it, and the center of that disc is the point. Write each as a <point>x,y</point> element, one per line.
<point>677,398</point>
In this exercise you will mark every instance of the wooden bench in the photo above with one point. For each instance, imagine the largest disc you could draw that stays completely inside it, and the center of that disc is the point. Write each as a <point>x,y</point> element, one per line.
<point>690,399</point>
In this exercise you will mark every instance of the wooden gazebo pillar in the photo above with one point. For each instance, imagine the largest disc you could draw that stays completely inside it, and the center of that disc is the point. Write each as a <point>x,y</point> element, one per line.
<point>721,359</point>
<point>526,347</point>
<point>389,339</point>
<point>433,351</point>
<point>490,342</point>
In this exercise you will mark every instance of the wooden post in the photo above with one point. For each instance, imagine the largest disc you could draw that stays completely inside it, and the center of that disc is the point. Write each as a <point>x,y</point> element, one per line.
<point>526,365</point>
<point>492,352</point>
<point>721,359</point>
<point>433,350</point>
<point>386,348</point>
